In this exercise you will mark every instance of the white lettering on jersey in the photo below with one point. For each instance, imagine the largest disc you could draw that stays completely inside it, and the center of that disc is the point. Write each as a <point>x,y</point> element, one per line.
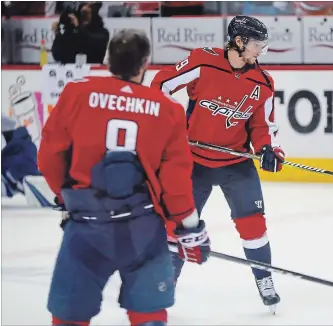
<point>232,113</point>
<point>181,64</point>
<point>123,103</point>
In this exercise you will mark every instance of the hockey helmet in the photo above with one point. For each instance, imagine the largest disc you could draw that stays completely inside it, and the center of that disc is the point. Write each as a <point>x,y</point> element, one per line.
<point>249,28</point>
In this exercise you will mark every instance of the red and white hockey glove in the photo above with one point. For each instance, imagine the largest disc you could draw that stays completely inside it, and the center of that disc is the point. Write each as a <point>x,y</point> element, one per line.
<point>193,243</point>
<point>271,158</point>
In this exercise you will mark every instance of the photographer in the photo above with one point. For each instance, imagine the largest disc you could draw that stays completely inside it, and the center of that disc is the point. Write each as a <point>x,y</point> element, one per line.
<point>80,32</point>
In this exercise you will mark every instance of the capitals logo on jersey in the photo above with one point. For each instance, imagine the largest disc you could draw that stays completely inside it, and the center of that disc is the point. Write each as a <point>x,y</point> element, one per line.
<point>231,111</point>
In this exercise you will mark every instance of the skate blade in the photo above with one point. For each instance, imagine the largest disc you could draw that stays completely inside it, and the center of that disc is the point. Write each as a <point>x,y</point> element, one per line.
<point>272,309</point>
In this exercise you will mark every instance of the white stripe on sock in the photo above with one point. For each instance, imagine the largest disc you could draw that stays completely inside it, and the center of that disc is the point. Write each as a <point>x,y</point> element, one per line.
<point>256,243</point>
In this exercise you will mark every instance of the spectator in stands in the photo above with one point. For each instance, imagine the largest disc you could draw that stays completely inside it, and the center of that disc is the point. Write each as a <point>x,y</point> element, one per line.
<point>5,15</point>
<point>115,9</point>
<point>5,10</point>
<point>259,8</point>
<point>182,8</point>
<point>80,32</point>
<point>144,8</point>
<point>26,8</point>
<point>313,7</point>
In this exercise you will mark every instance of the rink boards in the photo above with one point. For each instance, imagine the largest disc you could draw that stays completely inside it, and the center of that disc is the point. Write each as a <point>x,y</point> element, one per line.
<point>303,106</point>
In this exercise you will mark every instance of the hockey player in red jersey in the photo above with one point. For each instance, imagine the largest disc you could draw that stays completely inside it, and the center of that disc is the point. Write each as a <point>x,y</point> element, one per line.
<point>232,105</point>
<point>116,155</point>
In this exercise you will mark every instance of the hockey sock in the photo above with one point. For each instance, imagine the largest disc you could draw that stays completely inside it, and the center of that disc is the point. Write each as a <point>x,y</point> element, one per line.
<point>252,230</point>
<point>262,254</point>
<point>59,322</point>
<point>148,318</point>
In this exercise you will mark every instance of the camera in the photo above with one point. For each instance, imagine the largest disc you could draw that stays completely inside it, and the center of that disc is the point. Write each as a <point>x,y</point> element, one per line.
<point>65,24</point>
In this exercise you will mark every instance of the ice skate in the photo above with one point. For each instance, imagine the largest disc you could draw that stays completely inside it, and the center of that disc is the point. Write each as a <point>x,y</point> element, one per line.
<point>267,292</point>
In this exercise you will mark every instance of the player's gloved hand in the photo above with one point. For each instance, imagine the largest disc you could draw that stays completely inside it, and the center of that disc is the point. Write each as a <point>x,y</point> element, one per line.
<point>60,207</point>
<point>193,243</point>
<point>271,158</point>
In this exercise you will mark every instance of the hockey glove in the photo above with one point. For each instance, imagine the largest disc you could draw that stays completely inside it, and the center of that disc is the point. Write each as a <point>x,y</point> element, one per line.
<point>271,158</point>
<point>193,243</point>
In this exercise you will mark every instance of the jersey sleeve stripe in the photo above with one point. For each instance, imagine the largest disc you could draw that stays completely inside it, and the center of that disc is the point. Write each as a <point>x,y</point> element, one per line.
<point>272,127</point>
<point>171,84</point>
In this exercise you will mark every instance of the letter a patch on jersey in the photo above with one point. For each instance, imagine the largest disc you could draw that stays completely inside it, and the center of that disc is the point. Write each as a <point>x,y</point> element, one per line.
<point>255,93</point>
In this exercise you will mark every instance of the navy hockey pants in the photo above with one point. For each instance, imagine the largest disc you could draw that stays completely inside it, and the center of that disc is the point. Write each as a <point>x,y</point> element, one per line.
<point>91,252</point>
<point>239,183</point>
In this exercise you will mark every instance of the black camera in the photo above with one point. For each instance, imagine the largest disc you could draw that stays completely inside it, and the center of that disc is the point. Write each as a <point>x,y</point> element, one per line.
<point>65,24</point>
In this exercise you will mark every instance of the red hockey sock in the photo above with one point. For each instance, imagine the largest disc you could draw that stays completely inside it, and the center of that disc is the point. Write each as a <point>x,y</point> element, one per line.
<point>137,318</point>
<point>57,321</point>
<point>251,227</point>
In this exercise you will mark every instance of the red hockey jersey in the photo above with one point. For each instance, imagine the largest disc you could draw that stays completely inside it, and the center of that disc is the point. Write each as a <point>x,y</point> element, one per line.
<point>100,113</point>
<point>228,109</point>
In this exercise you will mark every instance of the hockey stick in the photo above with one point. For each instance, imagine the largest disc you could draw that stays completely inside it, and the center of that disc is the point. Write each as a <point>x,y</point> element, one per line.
<point>270,268</point>
<point>255,157</point>
<point>262,266</point>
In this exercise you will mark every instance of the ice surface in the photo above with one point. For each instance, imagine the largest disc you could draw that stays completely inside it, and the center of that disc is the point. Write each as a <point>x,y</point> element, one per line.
<point>300,222</point>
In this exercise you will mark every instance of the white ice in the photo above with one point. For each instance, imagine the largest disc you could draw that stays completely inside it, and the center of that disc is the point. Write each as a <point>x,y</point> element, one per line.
<point>300,222</point>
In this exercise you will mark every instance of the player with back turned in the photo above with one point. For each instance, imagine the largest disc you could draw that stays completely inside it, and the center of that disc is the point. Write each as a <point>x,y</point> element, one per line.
<point>232,105</point>
<point>116,155</point>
